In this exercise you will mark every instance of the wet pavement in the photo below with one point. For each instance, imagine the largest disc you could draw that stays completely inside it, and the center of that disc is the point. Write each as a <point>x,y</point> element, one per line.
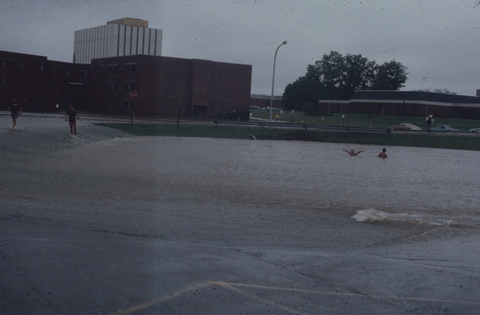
<point>108,223</point>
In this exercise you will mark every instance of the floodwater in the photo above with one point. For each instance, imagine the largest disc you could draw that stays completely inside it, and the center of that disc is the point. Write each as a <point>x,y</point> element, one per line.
<point>423,203</point>
<point>417,186</point>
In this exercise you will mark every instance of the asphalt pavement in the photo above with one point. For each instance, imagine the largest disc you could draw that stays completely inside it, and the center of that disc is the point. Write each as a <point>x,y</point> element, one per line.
<point>107,223</point>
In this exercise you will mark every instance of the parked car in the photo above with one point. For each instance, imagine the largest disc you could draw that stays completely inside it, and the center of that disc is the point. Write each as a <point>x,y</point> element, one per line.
<point>406,127</point>
<point>443,128</point>
<point>474,130</point>
<point>234,114</point>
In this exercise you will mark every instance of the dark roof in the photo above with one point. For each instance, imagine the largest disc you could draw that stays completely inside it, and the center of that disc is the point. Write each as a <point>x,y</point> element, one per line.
<point>414,96</point>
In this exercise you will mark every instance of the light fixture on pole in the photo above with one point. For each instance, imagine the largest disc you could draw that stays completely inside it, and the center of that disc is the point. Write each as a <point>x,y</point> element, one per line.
<point>273,79</point>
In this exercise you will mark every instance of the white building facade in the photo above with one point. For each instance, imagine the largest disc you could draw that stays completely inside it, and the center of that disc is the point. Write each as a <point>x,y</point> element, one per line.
<point>124,37</point>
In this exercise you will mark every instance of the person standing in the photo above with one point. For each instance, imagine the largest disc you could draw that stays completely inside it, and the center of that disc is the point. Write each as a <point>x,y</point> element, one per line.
<point>429,122</point>
<point>72,114</point>
<point>15,109</point>
<point>383,154</point>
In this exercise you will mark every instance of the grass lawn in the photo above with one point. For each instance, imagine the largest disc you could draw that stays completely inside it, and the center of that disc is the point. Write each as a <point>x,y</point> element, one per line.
<point>365,120</point>
<point>445,141</point>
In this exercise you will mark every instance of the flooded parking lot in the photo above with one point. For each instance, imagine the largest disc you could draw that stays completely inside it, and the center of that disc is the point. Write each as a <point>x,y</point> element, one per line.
<point>111,223</point>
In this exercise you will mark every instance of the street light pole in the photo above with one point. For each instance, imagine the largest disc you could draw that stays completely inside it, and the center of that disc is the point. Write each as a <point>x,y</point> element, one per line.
<point>273,79</point>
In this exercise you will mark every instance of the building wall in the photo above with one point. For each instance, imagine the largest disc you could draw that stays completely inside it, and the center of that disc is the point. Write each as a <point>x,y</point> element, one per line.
<point>168,86</point>
<point>414,103</point>
<point>41,84</point>
<point>416,108</point>
<point>230,87</point>
<point>130,21</point>
<point>401,108</point>
<point>113,40</point>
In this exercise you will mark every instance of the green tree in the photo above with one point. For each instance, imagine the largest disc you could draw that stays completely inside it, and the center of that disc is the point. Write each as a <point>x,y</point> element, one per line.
<point>338,77</point>
<point>330,71</point>
<point>341,75</point>
<point>304,90</point>
<point>391,75</point>
<point>359,74</point>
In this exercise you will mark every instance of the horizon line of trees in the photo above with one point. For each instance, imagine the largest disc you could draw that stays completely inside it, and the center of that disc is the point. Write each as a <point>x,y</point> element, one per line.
<point>337,77</point>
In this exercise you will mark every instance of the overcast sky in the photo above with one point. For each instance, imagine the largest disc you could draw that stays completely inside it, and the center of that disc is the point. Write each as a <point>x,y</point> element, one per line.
<point>437,40</point>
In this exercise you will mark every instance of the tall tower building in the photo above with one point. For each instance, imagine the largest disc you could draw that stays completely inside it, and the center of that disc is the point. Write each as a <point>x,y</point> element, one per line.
<point>123,37</point>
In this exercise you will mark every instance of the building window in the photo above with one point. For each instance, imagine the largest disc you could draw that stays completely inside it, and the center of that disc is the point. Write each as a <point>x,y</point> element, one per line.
<point>42,68</point>
<point>129,86</point>
<point>111,104</point>
<point>130,68</point>
<point>68,72</point>
<point>112,86</point>
<point>128,105</point>
<point>4,81</point>
<point>83,73</point>
<point>22,65</point>
<point>54,70</point>
<point>4,63</point>
<point>113,69</point>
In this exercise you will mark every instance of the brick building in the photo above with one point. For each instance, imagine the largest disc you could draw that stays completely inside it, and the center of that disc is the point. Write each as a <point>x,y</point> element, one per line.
<point>407,103</point>
<point>41,84</point>
<point>165,84</point>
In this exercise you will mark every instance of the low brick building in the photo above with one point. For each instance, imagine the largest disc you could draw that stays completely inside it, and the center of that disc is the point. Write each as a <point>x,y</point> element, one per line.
<point>166,86</point>
<point>40,84</point>
<point>407,103</point>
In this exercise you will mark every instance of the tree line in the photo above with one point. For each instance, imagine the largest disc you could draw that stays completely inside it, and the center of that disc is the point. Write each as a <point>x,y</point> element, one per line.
<point>336,77</point>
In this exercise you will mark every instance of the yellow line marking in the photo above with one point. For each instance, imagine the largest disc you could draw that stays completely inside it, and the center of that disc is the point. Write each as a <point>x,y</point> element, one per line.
<point>250,295</point>
<point>153,302</point>
<point>235,287</point>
